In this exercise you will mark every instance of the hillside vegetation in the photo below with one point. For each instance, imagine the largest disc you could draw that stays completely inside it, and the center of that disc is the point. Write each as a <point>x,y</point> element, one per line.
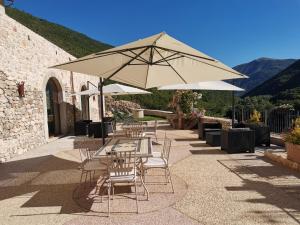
<point>283,87</point>
<point>260,70</point>
<point>75,43</point>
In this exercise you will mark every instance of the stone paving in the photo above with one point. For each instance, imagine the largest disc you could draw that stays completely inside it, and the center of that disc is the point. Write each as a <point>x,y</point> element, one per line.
<point>211,187</point>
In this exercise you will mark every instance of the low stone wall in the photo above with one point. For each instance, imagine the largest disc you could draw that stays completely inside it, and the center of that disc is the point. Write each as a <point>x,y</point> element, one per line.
<point>225,122</point>
<point>281,159</point>
<point>119,105</point>
<point>159,113</point>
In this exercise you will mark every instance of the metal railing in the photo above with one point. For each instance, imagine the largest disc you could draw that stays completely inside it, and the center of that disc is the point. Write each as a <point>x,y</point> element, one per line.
<point>279,121</point>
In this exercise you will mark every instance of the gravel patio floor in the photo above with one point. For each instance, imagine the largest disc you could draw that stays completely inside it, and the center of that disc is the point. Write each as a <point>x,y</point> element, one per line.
<point>211,187</point>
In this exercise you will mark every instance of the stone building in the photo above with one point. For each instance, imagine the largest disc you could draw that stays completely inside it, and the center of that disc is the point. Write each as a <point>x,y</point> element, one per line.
<point>46,109</point>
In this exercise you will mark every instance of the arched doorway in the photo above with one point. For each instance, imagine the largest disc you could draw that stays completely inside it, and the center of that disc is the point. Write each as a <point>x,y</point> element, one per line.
<point>53,108</point>
<point>85,106</point>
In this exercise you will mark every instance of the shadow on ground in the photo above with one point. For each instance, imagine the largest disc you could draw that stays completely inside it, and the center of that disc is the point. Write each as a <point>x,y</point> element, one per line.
<point>277,186</point>
<point>47,181</point>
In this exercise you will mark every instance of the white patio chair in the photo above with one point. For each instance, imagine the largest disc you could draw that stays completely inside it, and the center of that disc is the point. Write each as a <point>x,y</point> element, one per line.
<point>88,165</point>
<point>117,132</point>
<point>160,162</point>
<point>135,130</point>
<point>153,132</point>
<point>122,169</point>
<point>158,153</point>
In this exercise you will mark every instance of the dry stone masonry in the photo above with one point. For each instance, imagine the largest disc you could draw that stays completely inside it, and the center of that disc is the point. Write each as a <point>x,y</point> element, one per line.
<point>26,57</point>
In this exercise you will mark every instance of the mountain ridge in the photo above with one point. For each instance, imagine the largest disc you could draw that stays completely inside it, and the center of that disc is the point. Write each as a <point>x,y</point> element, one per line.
<point>260,70</point>
<point>287,79</point>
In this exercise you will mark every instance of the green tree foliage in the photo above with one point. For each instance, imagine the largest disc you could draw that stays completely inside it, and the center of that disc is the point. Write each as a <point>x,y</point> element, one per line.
<point>259,103</point>
<point>186,102</point>
<point>75,43</point>
<point>216,103</point>
<point>157,100</point>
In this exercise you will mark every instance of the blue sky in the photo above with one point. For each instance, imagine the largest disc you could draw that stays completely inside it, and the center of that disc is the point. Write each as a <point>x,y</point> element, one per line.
<point>233,31</point>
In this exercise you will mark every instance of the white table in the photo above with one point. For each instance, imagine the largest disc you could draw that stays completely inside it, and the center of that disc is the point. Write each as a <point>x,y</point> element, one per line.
<point>143,146</point>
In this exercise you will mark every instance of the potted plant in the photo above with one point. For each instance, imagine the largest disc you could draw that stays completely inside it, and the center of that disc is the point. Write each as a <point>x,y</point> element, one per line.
<point>262,131</point>
<point>292,142</point>
<point>182,103</point>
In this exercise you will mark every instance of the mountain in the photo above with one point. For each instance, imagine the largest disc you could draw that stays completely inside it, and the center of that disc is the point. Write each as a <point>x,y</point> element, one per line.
<point>260,70</point>
<point>75,43</point>
<point>284,87</point>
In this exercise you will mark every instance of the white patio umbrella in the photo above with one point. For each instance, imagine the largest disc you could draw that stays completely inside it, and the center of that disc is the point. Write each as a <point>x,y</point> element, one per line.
<point>207,85</point>
<point>114,89</point>
<point>152,62</point>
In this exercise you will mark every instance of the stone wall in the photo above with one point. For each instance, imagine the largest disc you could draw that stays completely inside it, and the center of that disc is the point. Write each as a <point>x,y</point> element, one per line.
<point>159,113</point>
<point>226,123</point>
<point>26,56</point>
<point>119,105</point>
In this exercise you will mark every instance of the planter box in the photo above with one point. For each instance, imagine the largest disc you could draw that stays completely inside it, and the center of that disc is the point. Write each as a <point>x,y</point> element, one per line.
<point>238,140</point>
<point>262,134</point>
<point>293,152</point>
<point>204,127</point>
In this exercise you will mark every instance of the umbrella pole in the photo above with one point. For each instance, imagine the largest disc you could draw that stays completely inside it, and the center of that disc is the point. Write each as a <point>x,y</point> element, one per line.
<point>233,110</point>
<point>100,88</point>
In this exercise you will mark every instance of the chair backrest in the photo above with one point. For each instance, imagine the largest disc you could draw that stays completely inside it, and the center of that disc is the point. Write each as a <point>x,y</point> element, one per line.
<point>86,154</point>
<point>121,163</point>
<point>166,149</point>
<point>155,126</point>
<point>86,151</point>
<point>136,130</point>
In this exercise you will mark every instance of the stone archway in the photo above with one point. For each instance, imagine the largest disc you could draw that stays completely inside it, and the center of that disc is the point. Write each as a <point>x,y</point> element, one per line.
<point>53,109</point>
<point>85,105</point>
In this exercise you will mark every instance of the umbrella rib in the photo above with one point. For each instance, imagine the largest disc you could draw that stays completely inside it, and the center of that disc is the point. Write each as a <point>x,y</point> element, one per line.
<point>124,65</point>
<point>215,66</point>
<point>138,64</point>
<point>142,58</point>
<point>122,53</point>
<point>184,53</point>
<point>98,55</point>
<point>169,59</point>
<point>171,67</point>
<point>159,60</point>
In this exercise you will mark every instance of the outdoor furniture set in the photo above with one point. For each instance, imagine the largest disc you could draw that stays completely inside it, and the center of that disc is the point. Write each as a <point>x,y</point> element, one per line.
<point>241,138</point>
<point>123,160</point>
<point>136,129</point>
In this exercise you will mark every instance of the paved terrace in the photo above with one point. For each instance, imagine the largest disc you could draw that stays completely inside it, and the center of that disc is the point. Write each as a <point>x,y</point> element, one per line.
<point>211,187</point>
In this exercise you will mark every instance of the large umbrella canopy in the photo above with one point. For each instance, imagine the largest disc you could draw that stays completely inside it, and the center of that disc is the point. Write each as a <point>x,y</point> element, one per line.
<point>114,89</point>
<point>152,62</point>
<point>205,85</point>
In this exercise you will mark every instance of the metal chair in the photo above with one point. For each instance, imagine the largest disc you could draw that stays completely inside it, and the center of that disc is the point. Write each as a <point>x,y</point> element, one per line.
<point>153,132</point>
<point>160,162</point>
<point>122,169</point>
<point>135,130</point>
<point>88,165</point>
<point>119,132</point>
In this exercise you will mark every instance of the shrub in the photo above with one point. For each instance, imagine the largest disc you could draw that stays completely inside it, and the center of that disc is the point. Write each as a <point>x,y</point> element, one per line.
<point>255,117</point>
<point>293,136</point>
<point>186,101</point>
